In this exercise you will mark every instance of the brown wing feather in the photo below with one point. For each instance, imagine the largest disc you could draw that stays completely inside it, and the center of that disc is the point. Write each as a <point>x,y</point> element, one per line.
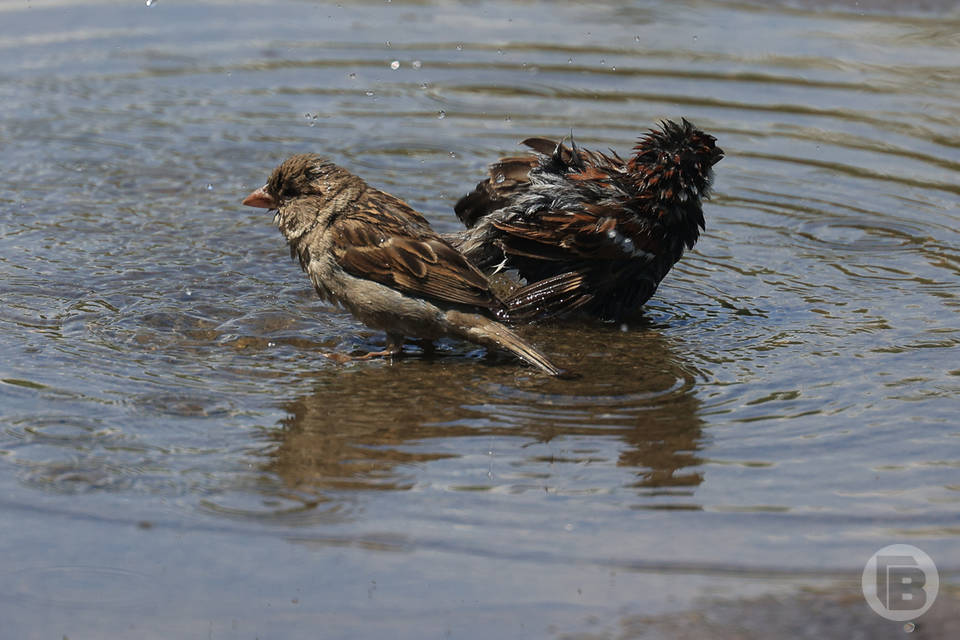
<point>592,233</point>
<point>560,151</point>
<point>541,145</point>
<point>508,176</point>
<point>387,241</point>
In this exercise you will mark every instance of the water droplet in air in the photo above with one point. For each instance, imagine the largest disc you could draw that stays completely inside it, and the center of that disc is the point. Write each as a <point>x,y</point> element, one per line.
<point>441,114</point>
<point>150,3</point>
<point>416,64</point>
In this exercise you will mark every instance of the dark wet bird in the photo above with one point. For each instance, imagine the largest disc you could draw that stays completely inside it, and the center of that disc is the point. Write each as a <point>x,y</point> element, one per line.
<point>589,231</point>
<point>373,254</point>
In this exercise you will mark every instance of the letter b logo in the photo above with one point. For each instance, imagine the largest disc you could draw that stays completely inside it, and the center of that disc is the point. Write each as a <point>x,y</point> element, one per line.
<point>900,582</point>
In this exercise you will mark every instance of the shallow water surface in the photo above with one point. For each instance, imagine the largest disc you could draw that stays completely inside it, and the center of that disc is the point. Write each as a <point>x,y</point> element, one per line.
<point>177,458</point>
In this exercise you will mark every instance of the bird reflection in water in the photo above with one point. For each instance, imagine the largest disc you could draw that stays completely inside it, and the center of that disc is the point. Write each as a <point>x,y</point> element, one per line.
<point>379,426</point>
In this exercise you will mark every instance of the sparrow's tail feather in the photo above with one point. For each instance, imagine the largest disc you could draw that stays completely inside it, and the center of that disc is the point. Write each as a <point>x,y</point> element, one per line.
<point>493,334</point>
<point>559,294</point>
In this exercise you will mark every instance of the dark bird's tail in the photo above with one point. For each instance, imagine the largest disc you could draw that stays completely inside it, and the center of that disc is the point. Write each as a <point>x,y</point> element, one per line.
<point>557,295</point>
<point>612,296</point>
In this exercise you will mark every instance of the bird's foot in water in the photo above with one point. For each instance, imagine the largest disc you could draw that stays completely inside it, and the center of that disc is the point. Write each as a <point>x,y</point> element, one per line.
<point>394,348</point>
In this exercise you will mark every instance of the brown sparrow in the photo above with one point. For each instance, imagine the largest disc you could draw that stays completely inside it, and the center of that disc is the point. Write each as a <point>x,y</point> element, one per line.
<point>589,231</point>
<point>373,254</point>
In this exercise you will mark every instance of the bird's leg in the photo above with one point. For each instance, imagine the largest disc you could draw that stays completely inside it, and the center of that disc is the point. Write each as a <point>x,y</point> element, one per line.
<point>394,348</point>
<point>339,358</point>
<point>427,346</point>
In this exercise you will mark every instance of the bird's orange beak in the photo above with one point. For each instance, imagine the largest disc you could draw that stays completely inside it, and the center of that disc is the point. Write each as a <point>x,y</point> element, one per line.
<point>260,198</point>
